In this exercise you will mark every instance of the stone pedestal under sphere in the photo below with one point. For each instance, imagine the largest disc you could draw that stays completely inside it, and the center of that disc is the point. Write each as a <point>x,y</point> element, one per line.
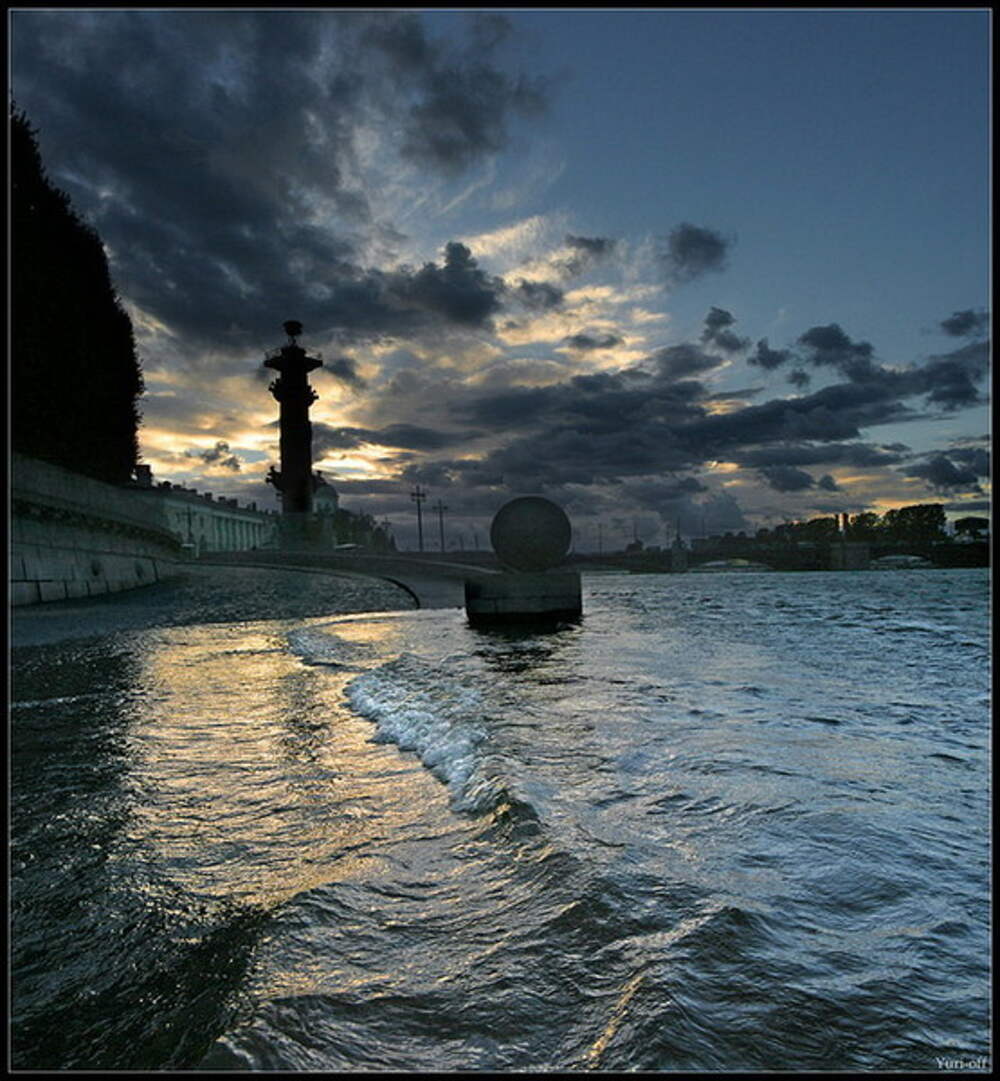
<point>531,537</point>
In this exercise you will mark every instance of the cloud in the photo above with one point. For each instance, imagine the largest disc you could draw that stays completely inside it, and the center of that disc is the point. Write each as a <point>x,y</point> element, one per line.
<point>967,323</point>
<point>464,103</point>
<point>767,358</point>
<point>679,361</point>
<point>588,342</point>
<point>975,458</point>
<point>941,472</point>
<point>862,455</point>
<point>692,251</point>
<point>829,346</point>
<point>272,125</point>
<point>717,332</point>
<point>950,380</point>
<point>459,291</point>
<point>539,296</point>
<point>664,494</point>
<point>786,478</point>
<point>409,436</point>
<point>585,252</point>
<point>799,378</point>
<point>346,370</point>
<point>218,456</point>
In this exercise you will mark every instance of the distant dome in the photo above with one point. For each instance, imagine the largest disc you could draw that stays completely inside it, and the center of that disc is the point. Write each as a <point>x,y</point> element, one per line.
<point>531,534</point>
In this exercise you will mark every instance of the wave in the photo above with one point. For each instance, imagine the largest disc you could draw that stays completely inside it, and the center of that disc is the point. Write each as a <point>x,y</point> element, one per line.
<point>416,706</point>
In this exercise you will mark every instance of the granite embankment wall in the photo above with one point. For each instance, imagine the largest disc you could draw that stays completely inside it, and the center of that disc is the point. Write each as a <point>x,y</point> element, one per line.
<point>76,537</point>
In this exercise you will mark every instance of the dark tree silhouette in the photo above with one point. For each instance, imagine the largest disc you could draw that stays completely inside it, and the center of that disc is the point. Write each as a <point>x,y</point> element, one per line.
<point>973,526</point>
<point>75,377</point>
<point>919,522</point>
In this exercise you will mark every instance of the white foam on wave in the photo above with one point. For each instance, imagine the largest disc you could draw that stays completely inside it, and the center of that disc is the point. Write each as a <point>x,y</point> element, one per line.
<point>416,706</point>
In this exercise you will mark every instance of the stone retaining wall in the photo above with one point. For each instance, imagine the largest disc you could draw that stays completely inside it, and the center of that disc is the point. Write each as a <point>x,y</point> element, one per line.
<point>72,536</point>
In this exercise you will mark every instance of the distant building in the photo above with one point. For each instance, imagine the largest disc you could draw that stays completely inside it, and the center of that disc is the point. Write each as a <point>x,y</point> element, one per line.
<point>325,497</point>
<point>205,523</point>
<point>326,504</point>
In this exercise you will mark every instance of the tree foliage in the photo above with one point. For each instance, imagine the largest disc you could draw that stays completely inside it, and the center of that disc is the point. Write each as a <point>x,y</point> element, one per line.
<point>75,377</point>
<point>918,522</point>
<point>973,525</point>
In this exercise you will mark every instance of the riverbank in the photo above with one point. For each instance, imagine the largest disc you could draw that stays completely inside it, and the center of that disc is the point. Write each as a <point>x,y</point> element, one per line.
<point>210,594</point>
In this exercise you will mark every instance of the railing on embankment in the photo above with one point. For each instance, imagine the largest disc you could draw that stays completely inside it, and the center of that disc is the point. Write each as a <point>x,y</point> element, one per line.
<point>72,536</point>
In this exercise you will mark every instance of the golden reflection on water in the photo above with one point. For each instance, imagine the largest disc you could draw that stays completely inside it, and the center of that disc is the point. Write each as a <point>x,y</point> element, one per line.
<point>251,780</point>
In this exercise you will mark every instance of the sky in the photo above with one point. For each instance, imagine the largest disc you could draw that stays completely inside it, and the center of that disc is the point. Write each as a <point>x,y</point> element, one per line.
<point>706,270</point>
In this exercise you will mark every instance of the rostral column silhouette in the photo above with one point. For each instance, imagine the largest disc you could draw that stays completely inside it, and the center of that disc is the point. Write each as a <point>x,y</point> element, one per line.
<point>295,480</point>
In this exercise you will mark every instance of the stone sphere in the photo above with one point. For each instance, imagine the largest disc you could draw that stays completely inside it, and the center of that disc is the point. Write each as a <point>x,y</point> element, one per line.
<point>530,533</point>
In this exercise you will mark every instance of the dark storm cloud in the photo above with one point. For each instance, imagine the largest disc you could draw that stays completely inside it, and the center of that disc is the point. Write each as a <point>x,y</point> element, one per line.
<point>607,445</point>
<point>408,436</point>
<point>539,296</point>
<point>464,113</point>
<point>827,483</point>
<point>862,455</point>
<point>680,361</point>
<point>603,403</point>
<point>786,478</point>
<point>431,474</point>
<point>767,358</point>
<point>346,370</point>
<point>636,421</point>
<point>202,143</point>
<point>717,332</point>
<point>967,323</point>
<point>588,342</point>
<point>975,458</point>
<point>219,456</point>
<point>941,472</point>
<point>662,494</point>
<point>691,251</point>
<point>832,414</point>
<point>950,380</point>
<point>587,252</point>
<point>459,290</point>
<point>829,346</point>
<point>464,104</point>
<point>799,378</point>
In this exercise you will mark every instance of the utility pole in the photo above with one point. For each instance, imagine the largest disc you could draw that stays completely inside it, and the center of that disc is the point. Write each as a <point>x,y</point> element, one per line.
<point>418,496</point>
<point>440,508</point>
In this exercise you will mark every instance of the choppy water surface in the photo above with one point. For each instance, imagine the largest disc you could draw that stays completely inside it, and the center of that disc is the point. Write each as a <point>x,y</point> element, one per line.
<point>729,822</point>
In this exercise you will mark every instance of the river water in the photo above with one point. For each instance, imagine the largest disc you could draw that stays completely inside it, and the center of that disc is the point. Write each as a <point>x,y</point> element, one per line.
<point>728,822</point>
